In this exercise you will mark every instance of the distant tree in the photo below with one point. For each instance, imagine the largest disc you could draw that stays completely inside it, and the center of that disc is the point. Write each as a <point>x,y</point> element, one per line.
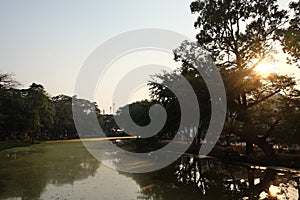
<point>41,109</point>
<point>10,105</point>
<point>7,81</point>
<point>139,111</point>
<point>32,112</point>
<point>15,114</point>
<point>86,110</point>
<point>167,98</point>
<point>63,120</point>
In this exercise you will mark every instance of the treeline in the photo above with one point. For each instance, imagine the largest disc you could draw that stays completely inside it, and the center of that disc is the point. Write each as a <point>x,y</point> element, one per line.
<point>33,114</point>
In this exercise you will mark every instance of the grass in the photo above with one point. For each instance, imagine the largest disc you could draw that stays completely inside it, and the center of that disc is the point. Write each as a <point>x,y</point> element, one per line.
<point>13,144</point>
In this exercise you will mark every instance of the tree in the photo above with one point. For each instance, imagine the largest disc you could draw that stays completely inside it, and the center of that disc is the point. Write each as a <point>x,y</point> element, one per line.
<point>15,114</point>
<point>84,112</point>
<point>290,36</point>
<point>41,110</point>
<point>162,94</point>
<point>287,126</point>
<point>63,121</point>
<point>7,81</point>
<point>10,106</point>
<point>138,111</point>
<point>24,111</point>
<point>240,35</point>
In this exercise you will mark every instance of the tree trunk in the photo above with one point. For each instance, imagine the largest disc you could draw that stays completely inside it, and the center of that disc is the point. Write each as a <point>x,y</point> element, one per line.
<point>298,185</point>
<point>250,151</point>
<point>267,148</point>
<point>250,178</point>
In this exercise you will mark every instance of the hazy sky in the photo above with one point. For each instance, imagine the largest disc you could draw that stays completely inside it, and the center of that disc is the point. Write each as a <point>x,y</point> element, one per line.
<point>47,41</point>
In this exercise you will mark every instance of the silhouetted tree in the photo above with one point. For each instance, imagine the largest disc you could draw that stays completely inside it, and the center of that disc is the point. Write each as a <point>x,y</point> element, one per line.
<point>240,35</point>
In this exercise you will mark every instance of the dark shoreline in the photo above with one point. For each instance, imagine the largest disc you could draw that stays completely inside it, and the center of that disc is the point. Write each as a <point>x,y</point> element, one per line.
<point>226,154</point>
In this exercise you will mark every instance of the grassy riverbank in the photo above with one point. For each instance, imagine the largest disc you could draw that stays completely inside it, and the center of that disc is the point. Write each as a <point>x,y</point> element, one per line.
<point>224,153</point>
<point>12,144</point>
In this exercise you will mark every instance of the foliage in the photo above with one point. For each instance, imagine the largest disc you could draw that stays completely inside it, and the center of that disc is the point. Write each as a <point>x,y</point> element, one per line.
<point>63,121</point>
<point>7,81</point>
<point>87,111</point>
<point>42,110</point>
<point>290,37</point>
<point>162,94</point>
<point>138,111</point>
<point>32,113</point>
<point>240,35</point>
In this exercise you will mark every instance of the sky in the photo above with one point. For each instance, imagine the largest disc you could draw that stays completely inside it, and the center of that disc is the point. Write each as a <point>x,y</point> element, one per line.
<point>47,41</point>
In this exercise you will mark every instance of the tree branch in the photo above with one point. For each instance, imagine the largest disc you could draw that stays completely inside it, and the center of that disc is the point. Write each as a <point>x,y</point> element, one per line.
<point>263,99</point>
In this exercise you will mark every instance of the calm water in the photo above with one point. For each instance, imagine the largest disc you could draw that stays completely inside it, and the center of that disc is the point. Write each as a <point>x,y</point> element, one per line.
<point>67,171</point>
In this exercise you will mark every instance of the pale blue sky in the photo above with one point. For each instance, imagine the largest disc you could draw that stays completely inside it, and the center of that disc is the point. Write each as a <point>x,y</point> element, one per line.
<point>47,41</point>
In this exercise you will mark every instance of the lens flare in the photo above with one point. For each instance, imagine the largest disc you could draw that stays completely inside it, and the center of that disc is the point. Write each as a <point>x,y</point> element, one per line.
<point>265,69</point>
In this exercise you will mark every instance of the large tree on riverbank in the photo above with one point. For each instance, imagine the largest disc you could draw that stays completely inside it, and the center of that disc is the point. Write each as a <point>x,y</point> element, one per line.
<point>241,35</point>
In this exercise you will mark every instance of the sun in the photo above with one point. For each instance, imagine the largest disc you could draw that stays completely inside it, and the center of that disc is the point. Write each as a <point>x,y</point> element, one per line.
<point>265,69</point>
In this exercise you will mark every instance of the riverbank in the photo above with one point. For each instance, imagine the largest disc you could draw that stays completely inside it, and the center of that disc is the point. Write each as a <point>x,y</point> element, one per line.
<point>291,160</point>
<point>225,153</point>
<point>12,144</point>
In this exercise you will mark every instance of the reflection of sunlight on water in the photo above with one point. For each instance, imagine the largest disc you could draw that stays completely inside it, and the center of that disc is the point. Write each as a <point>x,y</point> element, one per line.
<point>281,192</point>
<point>258,167</point>
<point>274,191</point>
<point>263,195</point>
<point>256,181</point>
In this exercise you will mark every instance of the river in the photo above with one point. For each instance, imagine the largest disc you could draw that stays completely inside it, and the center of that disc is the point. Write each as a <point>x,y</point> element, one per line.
<point>68,171</point>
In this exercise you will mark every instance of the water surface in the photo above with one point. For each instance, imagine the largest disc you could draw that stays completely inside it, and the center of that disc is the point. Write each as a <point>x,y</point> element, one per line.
<point>68,171</point>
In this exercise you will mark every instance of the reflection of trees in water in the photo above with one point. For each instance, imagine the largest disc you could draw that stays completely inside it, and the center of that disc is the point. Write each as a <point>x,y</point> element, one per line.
<point>28,175</point>
<point>233,181</point>
<point>212,178</point>
<point>266,181</point>
<point>191,177</point>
